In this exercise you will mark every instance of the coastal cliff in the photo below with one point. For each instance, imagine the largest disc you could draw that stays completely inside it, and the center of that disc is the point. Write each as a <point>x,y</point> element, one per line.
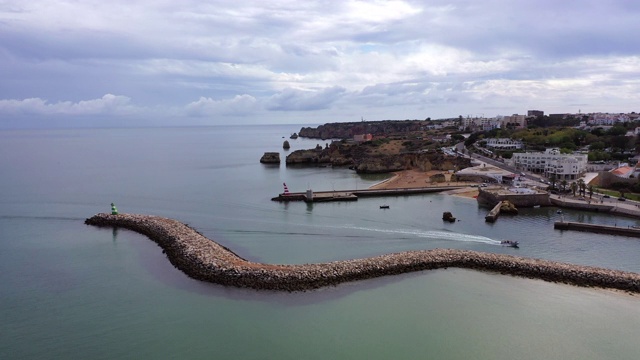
<point>349,129</point>
<point>364,158</point>
<point>206,260</point>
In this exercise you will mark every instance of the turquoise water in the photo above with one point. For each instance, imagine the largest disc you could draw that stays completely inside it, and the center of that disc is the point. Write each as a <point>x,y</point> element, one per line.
<point>72,291</point>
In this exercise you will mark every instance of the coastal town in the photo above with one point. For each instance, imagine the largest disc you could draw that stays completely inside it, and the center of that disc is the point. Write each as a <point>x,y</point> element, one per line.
<point>581,161</point>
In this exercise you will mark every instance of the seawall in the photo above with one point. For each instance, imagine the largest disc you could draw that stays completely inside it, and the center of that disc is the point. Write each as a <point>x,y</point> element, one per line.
<point>493,196</point>
<point>582,205</point>
<point>206,260</point>
<point>601,229</point>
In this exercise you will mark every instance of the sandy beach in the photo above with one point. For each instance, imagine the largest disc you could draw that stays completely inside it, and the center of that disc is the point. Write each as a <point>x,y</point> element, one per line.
<point>417,179</point>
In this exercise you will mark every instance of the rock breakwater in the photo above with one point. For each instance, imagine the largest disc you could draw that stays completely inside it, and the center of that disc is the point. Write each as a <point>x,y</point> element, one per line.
<point>204,259</point>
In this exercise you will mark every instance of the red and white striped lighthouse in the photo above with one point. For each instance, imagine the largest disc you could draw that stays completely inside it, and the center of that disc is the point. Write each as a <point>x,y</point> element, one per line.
<point>286,189</point>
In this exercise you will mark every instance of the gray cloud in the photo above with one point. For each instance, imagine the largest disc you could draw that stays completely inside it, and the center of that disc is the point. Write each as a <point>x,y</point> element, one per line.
<point>258,60</point>
<point>291,99</point>
<point>108,104</point>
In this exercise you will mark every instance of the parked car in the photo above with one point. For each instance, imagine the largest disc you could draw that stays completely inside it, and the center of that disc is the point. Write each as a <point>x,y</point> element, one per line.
<point>606,196</point>
<point>622,199</point>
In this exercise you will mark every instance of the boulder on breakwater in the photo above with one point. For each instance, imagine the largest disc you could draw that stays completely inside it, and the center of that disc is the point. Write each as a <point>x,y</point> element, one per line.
<point>204,259</point>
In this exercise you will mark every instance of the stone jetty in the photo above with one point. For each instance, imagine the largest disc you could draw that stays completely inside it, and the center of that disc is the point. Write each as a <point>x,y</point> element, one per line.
<point>503,207</point>
<point>204,259</point>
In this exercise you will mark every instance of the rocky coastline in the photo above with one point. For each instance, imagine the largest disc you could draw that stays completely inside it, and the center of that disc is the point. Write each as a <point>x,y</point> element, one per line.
<point>347,130</point>
<point>363,163</point>
<point>206,260</point>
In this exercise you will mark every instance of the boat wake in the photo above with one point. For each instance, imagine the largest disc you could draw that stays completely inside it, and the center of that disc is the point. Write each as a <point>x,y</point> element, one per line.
<point>347,231</point>
<point>434,234</point>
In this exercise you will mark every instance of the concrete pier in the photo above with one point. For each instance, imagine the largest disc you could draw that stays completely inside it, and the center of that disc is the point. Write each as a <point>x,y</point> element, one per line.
<point>204,259</point>
<point>601,229</point>
<point>352,195</point>
<point>492,216</point>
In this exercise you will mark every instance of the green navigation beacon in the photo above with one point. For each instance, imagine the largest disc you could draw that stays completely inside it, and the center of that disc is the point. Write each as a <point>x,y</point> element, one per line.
<point>114,211</point>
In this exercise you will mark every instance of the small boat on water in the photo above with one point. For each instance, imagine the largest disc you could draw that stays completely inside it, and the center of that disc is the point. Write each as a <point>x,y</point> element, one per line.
<point>384,206</point>
<point>509,243</point>
<point>559,212</point>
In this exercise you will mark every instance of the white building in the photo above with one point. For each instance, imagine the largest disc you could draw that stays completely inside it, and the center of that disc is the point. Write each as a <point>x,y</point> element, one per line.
<point>608,119</point>
<point>564,166</point>
<point>479,123</point>
<point>504,144</point>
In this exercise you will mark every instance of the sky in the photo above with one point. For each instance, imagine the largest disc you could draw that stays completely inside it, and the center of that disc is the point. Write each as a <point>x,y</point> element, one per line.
<point>202,62</point>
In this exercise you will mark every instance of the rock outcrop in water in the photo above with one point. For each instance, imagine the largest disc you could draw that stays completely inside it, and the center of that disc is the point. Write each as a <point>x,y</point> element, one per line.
<point>204,259</point>
<point>270,158</point>
<point>447,216</point>
<point>507,207</point>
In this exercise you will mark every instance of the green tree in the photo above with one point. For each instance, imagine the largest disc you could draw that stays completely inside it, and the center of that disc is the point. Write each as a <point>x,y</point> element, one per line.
<point>564,184</point>
<point>596,146</point>
<point>621,142</point>
<point>582,186</point>
<point>617,130</point>
<point>574,187</point>
<point>599,155</point>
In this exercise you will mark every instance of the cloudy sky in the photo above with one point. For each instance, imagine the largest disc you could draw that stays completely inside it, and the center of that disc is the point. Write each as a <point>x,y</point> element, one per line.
<point>170,62</point>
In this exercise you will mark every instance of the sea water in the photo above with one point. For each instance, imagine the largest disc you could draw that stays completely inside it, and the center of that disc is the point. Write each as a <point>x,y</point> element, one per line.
<point>68,290</point>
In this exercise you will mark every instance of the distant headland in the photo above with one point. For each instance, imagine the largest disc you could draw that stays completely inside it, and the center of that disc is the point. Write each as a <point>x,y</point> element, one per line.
<point>373,147</point>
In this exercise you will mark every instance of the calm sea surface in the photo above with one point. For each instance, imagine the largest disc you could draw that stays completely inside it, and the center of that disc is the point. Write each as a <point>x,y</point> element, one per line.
<point>70,291</point>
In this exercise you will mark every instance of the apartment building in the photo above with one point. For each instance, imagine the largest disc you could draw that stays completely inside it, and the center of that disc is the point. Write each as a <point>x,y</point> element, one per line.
<point>564,166</point>
<point>480,123</point>
<point>503,144</point>
<point>514,121</point>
